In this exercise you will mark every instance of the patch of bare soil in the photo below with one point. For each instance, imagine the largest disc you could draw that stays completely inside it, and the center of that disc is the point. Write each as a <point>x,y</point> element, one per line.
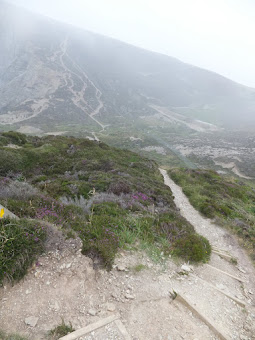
<point>65,284</point>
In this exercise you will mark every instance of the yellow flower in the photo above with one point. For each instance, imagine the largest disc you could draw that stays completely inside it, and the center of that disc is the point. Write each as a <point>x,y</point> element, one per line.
<point>2,213</point>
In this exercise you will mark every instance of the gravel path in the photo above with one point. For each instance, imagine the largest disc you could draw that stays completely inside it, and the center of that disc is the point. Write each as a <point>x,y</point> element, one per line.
<point>213,273</point>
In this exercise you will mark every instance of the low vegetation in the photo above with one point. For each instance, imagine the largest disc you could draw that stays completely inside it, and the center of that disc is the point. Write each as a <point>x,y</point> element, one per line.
<point>110,198</point>
<point>20,243</point>
<point>5,336</point>
<point>61,330</point>
<point>230,201</point>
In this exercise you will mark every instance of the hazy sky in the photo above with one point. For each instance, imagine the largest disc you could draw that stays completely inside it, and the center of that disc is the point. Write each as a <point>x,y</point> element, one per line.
<point>214,34</point>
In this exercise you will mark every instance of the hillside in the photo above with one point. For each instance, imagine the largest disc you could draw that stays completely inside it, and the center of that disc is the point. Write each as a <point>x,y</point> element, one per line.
<point>53,74</point>
<point>58,79</point>
<point>84,207</point>
<point>107,197</point>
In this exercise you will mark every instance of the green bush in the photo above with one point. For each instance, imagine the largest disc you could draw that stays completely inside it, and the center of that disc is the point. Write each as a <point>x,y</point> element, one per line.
<point>11,161</point>
<point>193,248</point>
<point>20,243</point>
<point>15,137</point>
<point>100,242</point>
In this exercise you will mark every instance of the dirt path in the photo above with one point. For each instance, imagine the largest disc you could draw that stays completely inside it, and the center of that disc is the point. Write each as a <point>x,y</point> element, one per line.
<point>224,243</point>
<point>65,284</point>
<point>78,96</point>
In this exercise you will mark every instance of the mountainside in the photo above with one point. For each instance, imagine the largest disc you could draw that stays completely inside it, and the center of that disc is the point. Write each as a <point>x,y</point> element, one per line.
<point>53,74</point>
<point>58,79</point>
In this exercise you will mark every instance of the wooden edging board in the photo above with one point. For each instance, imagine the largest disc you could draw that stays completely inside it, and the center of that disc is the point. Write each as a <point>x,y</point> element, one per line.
<point>90,328</point>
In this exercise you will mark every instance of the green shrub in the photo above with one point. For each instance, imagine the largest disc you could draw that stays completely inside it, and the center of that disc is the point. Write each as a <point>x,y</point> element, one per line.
<point>193,248</point>
<point>20,243</point>
<point>100,242</point>
<point>11,161</point>
<point>15,137</point>
<point>109,208</point>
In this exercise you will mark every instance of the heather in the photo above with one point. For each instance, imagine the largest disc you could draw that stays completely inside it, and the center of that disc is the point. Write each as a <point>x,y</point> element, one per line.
<point>109,198</point>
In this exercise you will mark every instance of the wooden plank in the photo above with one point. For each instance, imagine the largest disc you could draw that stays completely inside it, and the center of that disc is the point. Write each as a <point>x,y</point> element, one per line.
<point>90,328</point>
<point>239,302</point>
<point>225,273</point>
<point>122,330</point>
<point>186,303</point>
<point>225,256</point>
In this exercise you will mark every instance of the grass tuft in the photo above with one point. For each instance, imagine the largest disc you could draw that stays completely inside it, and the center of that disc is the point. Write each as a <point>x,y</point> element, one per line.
<point>61,330</point>
<point>20,244</point>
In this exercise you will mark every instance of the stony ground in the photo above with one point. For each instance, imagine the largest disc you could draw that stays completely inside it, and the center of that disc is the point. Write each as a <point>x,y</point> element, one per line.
<point>64,284</point>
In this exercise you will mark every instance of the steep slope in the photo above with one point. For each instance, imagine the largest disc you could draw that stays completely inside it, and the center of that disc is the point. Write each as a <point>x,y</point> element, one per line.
<point>53,74</point>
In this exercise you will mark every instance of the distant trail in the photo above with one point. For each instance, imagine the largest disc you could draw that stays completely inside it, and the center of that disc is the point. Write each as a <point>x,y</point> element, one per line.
<point>193,124</point>
<point>78,96</point>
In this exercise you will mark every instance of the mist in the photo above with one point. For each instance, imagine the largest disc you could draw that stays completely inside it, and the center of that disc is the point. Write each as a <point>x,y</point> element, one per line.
<point>216,35</point>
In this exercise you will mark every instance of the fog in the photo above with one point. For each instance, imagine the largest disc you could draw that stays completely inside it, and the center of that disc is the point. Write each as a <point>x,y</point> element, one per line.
<point>214,34</point>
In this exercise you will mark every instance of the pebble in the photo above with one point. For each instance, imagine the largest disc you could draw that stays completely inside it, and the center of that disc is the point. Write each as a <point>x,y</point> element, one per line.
<point>186,268</point>
<point>111,307</point>
<point>92,312</point>
<point>121,268</point>
<point>31,321</point>
<point>129,296</point>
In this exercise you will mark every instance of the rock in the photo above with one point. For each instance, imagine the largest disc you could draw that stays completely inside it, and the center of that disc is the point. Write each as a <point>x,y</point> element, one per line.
<point>220,286</point>
<point>92,312</point>
<point>110,307</point>
<point>54,305</point>
<point>129,296</point>
<point>68,265</point>
<point>31,321</point>
<point>121,268</point>
<point>186,268</point>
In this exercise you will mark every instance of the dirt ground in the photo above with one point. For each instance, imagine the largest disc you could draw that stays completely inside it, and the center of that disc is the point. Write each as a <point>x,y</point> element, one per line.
<point>65,285</point>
